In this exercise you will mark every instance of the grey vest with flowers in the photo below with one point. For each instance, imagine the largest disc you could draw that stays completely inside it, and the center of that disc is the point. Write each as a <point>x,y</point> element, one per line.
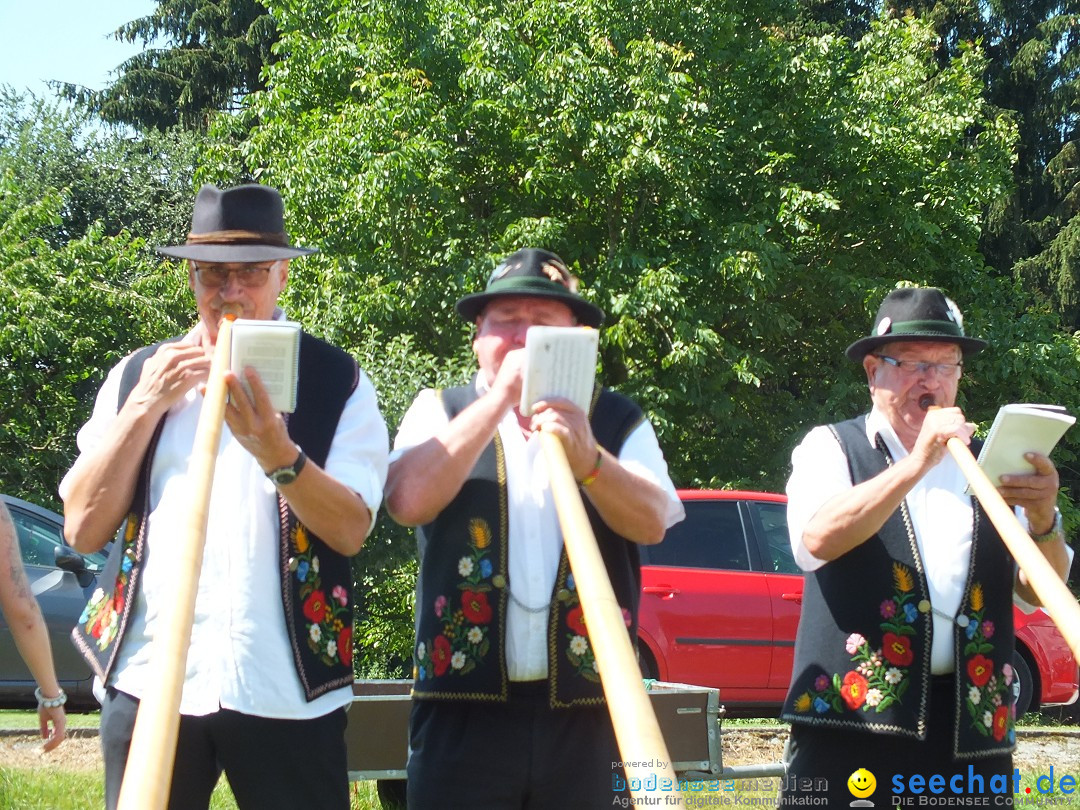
<point>463,585</point>
<point>316,581</point>
<point>862,655</point>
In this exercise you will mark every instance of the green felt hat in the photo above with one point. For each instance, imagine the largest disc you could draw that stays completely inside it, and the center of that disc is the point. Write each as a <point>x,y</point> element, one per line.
<point>916,314</point>
<point>532,273</point>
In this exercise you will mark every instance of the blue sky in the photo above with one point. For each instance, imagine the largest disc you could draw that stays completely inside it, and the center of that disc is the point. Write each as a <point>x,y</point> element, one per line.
<point>64,40</point>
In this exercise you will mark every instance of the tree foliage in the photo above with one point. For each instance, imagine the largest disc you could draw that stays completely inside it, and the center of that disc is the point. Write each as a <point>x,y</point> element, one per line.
<point>737,197</point>
<point>1032,71</point>
<point>69,315</point>
<point>201,57</point>
<point>111,180</point>
<point>737,188</point>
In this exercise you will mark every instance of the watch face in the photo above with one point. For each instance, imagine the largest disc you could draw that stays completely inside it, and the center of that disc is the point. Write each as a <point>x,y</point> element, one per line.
<point>286,476</point>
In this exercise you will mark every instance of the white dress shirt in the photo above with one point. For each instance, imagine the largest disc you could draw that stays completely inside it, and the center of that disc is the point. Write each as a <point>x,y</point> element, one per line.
<point>535,541</point>
<point>239,657</point>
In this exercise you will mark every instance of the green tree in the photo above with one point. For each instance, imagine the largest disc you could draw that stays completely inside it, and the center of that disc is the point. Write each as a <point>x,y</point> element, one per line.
<point>201,57</point>
<point>1033,71</point>
<point>70,313</point>
<point>736,196</point>
<point>112,180</point>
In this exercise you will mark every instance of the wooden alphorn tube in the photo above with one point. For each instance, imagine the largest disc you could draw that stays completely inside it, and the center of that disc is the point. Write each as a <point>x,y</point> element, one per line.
<point>1052,592</point>
<point>641,745</point>
<point>148,774</point>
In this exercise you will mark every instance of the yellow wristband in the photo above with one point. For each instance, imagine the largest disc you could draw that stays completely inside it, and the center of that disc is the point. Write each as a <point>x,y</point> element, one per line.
<point>595,471</point>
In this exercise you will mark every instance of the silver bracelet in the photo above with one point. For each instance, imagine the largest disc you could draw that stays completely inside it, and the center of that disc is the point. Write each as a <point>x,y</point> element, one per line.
<point>50,703</point>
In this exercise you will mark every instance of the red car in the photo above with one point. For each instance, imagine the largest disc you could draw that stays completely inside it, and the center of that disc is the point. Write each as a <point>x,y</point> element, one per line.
<point>720,603</point>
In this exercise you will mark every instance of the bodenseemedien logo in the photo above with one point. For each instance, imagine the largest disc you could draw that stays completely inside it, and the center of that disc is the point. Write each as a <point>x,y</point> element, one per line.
<point>862,785</point>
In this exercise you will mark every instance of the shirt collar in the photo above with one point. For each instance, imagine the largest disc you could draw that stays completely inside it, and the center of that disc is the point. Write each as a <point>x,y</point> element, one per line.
<point>878,423</point>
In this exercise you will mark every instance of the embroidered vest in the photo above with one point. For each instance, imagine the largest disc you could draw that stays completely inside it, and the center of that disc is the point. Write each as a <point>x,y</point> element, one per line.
<point>862,655</point>
<point>463,586</point>
<point>316,581</point>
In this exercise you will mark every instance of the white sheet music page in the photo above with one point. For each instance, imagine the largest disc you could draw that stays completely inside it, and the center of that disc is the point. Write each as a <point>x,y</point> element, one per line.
<point>273,348</point>
<point>560,361</point>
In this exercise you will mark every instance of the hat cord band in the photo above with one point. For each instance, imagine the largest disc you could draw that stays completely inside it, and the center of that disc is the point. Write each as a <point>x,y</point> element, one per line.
<point>233,237</point>
<point>917,327</point>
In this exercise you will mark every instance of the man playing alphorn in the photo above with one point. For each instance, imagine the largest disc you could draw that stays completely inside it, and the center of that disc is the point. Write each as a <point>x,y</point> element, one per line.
<point>269,666</point>
<point>903,661</point>
<point>508,710</point>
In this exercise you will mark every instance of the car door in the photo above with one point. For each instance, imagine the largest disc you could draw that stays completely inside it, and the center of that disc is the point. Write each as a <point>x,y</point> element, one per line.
<point>710,615</point>
<point>784,579</point>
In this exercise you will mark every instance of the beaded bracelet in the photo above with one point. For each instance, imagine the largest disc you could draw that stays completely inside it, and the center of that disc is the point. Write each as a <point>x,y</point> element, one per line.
<point>50,703</point>
<point>595,472</point>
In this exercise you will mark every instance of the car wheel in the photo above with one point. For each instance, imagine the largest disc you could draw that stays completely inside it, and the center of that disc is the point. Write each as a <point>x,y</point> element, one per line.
<point>391,793</point>
<point>1023,685</point>
<point>647,664</point>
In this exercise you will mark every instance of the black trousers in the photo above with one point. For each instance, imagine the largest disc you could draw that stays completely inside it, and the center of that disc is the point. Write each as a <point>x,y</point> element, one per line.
<point>271,764</point>
<point>820,761</point>
<point>519,754</point>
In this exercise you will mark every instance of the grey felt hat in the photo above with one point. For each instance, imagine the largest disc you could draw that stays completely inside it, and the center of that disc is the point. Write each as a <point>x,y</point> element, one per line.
<point>241,224</point>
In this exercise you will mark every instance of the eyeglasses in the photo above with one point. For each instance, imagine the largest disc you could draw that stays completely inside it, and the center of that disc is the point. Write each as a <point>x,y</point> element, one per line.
<point>948,371</point>
<point>217,275</point>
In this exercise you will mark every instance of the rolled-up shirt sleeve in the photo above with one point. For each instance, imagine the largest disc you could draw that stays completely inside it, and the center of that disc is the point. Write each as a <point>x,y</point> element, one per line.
<point>358,454</point>
<point>819,472</point>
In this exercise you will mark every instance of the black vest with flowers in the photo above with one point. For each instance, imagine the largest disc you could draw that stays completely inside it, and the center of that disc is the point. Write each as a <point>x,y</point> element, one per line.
<point>463,586</point>
<point>316,581</point>
<point>862,655</point>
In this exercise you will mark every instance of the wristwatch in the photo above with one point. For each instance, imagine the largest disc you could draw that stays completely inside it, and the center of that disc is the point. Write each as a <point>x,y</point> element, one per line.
<point>286,475</point>
<point>1055,530</point>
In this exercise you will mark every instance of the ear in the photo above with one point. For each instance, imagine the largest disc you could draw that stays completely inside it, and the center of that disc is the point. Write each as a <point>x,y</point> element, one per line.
<point>870,365</point>
<point>284,270</point>
<point>191,275</point>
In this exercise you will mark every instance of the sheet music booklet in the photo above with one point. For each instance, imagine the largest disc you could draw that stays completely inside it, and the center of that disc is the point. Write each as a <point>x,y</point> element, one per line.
<point>560,361</point>
<point>1021,428</point>
<point>273,348</point>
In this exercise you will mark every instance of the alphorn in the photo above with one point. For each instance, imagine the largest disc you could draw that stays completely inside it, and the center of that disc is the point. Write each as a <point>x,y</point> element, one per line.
<point>1055,596</point>
<point>148,774</point>
<point>637,733</point>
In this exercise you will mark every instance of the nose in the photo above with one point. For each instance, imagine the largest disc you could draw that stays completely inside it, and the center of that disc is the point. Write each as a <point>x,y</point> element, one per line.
<point>232,286</point>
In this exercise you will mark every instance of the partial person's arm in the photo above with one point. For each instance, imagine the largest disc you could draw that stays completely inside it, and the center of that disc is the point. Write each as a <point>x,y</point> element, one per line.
<point>427,476</point>
<point>98,490</point>
<point>850,518</point>
<point>23,615</point>
<point>339,515</point>
<point>630,504</point>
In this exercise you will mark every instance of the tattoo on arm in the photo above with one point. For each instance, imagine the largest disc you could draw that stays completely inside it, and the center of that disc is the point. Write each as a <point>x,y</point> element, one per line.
<point>12,575</point>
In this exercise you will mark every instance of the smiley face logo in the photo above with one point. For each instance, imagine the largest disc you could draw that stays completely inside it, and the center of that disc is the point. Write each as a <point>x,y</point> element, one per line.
<point>861,783</point>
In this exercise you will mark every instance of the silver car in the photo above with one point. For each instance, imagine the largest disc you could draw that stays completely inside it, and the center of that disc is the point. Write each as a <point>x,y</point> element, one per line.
<point>62,580</point>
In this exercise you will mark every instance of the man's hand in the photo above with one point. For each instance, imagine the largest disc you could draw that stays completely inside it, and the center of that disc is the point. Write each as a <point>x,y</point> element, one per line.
<point>940,425</point>
<point>174,369</point>
<point>1036,492</point>
<point>506,387</point>
<point>255,424</point>
<point>567,421</point>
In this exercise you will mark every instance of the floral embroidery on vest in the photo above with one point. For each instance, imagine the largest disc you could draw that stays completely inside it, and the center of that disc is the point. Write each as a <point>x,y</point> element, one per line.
<point>101,616</point>
<point>989,698</point>
<point>465,637</point>
<point>578,650</point>
<point>880,676</point>
<point>328,621</point>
